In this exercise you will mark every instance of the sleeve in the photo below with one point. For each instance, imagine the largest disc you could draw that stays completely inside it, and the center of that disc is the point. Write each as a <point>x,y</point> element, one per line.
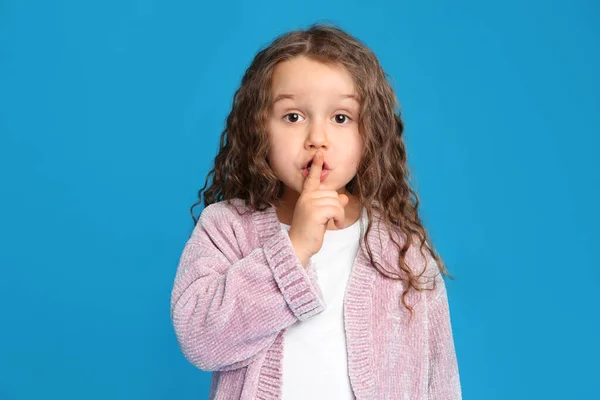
<point>226,312</point>
<point>444,381</point>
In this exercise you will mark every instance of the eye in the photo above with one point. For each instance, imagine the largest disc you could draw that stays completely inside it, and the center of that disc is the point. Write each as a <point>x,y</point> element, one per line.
<point>342,121</point>
<point>295,119</point>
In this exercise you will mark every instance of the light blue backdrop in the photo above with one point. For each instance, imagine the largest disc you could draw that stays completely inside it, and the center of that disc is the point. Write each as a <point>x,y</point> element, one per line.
<point>110,115</point>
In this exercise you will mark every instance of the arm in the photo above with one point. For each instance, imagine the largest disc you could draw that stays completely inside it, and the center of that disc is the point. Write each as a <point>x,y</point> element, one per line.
<point>225,312</point>
<point>444,381</point>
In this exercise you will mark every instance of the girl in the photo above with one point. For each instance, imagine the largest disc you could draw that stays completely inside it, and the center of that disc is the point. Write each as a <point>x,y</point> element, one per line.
<point>280,290</point>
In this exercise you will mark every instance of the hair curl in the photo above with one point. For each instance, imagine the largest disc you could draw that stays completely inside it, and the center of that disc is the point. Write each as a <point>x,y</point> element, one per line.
<point>382,177</point>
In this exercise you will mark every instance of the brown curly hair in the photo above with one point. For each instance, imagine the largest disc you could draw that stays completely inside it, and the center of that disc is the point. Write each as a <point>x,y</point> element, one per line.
<point>241,169</point>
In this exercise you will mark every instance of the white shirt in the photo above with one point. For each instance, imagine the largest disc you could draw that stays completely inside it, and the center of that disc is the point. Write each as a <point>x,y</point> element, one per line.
<point>321,340</point>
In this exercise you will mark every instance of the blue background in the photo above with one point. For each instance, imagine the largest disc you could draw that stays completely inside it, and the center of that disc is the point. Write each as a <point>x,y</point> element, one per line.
<point>110,116</point>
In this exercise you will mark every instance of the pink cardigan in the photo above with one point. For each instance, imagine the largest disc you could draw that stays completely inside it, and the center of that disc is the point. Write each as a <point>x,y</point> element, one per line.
<point>239,284</point>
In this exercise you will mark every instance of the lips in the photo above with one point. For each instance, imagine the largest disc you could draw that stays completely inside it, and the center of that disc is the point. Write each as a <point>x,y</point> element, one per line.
<point>325,166</point>
<point>324,173</point>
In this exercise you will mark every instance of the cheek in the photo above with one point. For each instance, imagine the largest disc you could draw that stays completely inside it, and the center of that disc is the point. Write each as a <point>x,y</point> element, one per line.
<point>282,146</point>
<point>276,157</point>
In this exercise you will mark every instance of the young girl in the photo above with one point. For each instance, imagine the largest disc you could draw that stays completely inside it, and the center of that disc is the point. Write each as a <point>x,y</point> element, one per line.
<point>280,290</point>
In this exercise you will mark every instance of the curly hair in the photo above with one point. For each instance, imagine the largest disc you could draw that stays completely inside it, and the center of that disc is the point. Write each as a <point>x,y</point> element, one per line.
<point>382,176</point>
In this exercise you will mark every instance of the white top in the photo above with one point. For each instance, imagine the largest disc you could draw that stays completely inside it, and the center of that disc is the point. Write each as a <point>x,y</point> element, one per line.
<point>321,340</point>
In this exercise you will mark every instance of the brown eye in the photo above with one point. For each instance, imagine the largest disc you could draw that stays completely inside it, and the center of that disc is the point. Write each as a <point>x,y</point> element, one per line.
<point>294,118</point>
<point>341,120</point>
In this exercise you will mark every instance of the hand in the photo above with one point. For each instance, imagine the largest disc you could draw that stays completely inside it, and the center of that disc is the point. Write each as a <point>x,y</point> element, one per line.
<point>313,211</point>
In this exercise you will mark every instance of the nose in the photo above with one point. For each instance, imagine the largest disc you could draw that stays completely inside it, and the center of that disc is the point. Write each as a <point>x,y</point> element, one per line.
<point>317,135</point>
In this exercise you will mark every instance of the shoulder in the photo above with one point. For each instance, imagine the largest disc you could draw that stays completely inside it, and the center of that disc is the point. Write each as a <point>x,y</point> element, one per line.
<point>225,217</point>
<point>232,208</point>
<point>228,225</point>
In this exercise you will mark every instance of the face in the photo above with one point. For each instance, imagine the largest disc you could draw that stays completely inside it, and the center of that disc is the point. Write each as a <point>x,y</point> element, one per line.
<point>311,110</point>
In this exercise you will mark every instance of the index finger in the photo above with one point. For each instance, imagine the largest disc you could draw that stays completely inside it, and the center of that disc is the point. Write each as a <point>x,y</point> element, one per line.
<point>313,180</point>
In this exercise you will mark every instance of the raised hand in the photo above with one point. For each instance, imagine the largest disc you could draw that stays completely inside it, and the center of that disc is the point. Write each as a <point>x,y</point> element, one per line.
<point>314,208</point>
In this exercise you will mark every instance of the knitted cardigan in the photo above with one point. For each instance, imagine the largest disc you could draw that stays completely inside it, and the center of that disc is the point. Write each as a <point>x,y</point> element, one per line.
<point>239,284</point>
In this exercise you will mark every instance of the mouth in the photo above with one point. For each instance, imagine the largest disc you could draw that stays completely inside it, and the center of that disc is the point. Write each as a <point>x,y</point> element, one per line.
<point>307,166</point>
<point>324,172</point>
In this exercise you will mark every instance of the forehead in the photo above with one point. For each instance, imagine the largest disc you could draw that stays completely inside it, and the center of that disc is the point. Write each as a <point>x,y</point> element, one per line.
<point>302,77</point>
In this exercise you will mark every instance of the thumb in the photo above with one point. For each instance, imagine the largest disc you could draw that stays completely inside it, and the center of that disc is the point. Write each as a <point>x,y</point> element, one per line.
<point>344,200</point>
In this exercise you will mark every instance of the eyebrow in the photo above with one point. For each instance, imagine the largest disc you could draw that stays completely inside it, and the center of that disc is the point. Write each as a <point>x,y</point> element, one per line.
<point>283,96</point>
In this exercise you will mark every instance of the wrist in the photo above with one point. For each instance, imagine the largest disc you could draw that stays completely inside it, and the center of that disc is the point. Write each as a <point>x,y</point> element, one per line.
<point>301,253</point>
